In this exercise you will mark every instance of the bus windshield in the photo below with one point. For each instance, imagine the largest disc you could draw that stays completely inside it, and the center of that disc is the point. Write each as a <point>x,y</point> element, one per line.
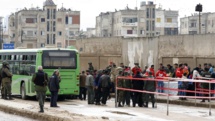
<point>56,59</point>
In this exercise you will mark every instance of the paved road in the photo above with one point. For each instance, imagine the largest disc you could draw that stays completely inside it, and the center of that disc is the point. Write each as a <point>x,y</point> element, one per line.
<point>10,117</point>
<point>81,110</point>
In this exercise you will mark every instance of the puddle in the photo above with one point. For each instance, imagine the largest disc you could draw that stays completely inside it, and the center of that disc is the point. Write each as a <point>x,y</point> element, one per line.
<point>121,113</point>
<point>202,112</point>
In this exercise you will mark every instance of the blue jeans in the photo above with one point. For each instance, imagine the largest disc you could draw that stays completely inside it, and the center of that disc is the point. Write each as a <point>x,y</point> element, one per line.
<point>181,87</point>
<point>160,85</point>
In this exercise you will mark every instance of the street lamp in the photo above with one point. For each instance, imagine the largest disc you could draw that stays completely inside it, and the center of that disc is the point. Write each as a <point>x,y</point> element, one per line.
<point>199,9</point>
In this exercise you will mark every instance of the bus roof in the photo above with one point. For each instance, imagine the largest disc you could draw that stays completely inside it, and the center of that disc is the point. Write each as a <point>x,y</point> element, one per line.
<point>35,50</point>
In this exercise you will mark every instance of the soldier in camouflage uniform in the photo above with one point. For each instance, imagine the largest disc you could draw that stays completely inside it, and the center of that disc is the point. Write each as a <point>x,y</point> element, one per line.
<point>1,85</point>
<point>126,94</point>
<point>150,86</point>
<point>40,80</point>
<point>6,80</point>
<point>91,68</point>
<point>120,92</point>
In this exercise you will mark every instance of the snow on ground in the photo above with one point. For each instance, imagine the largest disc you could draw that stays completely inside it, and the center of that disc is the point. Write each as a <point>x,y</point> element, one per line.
<point>177,113</point>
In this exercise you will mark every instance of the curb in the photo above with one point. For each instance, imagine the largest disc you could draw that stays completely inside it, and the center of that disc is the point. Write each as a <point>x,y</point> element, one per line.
<point>185,103</point>
<point>31,114</point>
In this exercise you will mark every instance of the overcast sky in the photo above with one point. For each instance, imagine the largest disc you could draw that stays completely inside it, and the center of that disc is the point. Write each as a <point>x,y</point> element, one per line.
<point>91,8</point>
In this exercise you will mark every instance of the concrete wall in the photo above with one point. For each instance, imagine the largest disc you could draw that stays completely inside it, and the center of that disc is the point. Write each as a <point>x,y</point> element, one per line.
<point>191,49</point>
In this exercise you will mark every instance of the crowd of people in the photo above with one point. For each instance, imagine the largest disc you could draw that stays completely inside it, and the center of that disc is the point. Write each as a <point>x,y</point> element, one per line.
<point>98,84</point>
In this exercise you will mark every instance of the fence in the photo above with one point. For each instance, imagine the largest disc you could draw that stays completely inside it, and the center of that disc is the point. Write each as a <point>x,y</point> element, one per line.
<point>168,95</point>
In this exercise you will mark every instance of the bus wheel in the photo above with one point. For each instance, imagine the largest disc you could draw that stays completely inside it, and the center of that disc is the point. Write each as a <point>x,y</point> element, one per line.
<point>23,91</point>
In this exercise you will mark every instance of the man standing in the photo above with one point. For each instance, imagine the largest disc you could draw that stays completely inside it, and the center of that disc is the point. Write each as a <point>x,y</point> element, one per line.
<point>150,86</point>
<point>138,85</point>
<point>179,74</point>
<point>205,86</point>
<point>54,88</point>
<point>211,70</point>
<point>90,85</point>
<point>40,80</point>
<point>136,69</point>
<point>83,89</point>
<point>105,86</point>
<point>6,80</point>
<point>91,68</point>
<point>127,85</point>
<point>161,73</point>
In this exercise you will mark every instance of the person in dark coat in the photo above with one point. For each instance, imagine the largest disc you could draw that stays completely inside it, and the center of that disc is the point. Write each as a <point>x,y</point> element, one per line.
<point>205,86</point>
<point>137,85</point>
<point>54,88</point>
<point>105,86</point>
<point>40,79</point>
<point>83,89</point>
<point>150,86</point>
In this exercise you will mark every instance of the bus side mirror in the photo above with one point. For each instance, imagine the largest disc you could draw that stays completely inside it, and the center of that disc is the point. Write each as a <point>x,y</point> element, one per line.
<point>32,69</point>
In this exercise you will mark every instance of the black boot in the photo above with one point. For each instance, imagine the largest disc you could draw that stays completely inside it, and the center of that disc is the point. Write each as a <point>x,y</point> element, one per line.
<point>153,105</point>
<point>41,109</point>
<point>10,97</point>
<point>2,96</point>
<point>146,105</point>
<point>119,105</point>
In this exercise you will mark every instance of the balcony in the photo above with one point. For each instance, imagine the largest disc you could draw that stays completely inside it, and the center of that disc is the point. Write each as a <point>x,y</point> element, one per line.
<point>129,24</point>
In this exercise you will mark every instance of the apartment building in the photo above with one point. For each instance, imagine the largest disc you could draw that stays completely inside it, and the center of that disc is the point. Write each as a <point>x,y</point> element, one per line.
<point>166,22</point>
<point>190,24</point>
<point>128,22</point>
<point>49,26</point>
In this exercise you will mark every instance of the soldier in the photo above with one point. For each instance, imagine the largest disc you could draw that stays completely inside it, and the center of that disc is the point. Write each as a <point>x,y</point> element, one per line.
<point>120,92</point>
<point>205,86</point>
<point>1,85</point>
<point>40,79</point>
<point>105,86</point>
<point>150,86</point>
<point>6,80</point>
<point>127,85</point>
<point>91,68</point>
<point>90,85</point>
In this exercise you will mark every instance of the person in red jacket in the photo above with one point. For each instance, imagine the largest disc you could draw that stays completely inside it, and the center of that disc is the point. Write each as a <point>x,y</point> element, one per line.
<point>136,69</point>
<point>159,75</point>
<point>179,74</point>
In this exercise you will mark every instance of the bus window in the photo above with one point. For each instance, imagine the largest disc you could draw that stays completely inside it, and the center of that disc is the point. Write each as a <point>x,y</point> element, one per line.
<point>4,57</point>
<point>12,57</point>
<point>59,59</point>
<point>9,57</point>
<point>20,57</point>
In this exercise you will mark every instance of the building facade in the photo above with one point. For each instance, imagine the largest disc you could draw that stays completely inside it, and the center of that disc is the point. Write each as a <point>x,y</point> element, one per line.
<point>36,28</point>
<point>127,22</point>
<point>166,22</point>
<point>190,24</point>
<point>91,32</point>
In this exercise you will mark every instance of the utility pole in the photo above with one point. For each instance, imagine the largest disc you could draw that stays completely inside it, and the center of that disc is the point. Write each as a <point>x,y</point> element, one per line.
<point>199,9</point>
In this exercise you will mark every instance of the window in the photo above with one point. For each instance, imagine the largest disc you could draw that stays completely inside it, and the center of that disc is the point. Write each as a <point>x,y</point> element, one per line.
<point>59,33</point>
<point>59,59</point>
<point>153,13</point>
<point>147,13</point>
<point>59,20</point>
<point>153,25</point>
<point>30,33</point>
<point>147,25</point>
<point>129,32</point>
<point>169,20</point>
<point>158,20</point>
<point>70,20</point>
<point>31,20</point>
<point>54,14</point>
<point>47,38</point>
<point>142,32</point>
<point>42,33</point>
<point>59,45</point>
<point>66,20</point>
<point>47,25</point>
<point>53,38</point>
<point>48,13</point>
<point>14,35</point>
<point>43,20</point>
<point>42,44</point>
<point>54,26</point>
<point>71,33</point>
<point>193,25</point>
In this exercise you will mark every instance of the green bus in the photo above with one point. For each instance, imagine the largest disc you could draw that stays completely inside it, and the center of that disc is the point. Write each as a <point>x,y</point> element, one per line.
<point>24,63</point>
